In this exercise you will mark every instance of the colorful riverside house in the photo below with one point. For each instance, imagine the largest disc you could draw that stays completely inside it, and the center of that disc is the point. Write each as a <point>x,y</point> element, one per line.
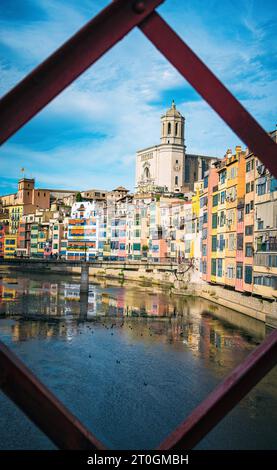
<point>249,217</point>
<point>118,234</point>
<point>135,234</point>
<point>212,203</point>
<point>43,240</point>
<point>34,240</point>
<point>10,245</point>
<point>102,217</point>
<point>188,231</point>
<point>22,247</point>
<point>232,162</point>
<point>265,234</point>
<point>3,230</point>
<point>82,234</point>
<point>158,231</point>
<point>15,214</point>
<point>242,229</point>
<point>196,253</point>
<point>221,221</point>
<point>175,245</point>
<point>213,226</point>
<point>180,231</point>
<point>203,226</point>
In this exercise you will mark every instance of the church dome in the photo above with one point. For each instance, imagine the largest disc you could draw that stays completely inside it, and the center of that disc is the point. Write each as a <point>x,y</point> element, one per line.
<point>172,112</point>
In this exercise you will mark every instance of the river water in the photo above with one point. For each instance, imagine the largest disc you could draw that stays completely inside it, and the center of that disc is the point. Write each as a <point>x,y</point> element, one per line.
<point>130,361</point>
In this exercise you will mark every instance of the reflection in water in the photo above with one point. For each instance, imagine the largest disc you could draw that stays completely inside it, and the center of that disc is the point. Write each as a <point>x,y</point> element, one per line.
<point>155,356</point>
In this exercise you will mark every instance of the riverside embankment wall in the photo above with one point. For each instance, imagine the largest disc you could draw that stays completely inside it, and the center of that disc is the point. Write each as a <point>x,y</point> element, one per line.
<point>186,282</point>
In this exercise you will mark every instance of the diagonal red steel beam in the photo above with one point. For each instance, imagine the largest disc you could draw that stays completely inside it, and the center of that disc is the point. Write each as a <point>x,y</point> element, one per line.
<point>41,406</point>
<point>225,397</point>
<point>45,82</point>
<point>211,89</point>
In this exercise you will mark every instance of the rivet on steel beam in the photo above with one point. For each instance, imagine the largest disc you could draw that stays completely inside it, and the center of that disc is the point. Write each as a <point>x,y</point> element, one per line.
<point>139,6</point>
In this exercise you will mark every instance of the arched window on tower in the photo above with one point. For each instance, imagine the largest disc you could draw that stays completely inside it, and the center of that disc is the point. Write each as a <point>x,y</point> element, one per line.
<point>176,128</point>
<point>176,180</point>
<point>146,173</point>
<point>169,128</point>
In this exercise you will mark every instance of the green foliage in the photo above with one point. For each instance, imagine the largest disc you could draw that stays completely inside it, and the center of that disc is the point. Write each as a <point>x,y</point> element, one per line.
<point>79,197</point>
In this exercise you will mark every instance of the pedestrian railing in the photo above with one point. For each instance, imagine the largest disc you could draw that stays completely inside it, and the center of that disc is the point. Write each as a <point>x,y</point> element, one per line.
<point>33,93</point>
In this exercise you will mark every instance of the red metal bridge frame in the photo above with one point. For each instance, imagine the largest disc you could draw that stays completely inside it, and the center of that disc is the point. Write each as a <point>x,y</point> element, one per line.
<point>33,93</point>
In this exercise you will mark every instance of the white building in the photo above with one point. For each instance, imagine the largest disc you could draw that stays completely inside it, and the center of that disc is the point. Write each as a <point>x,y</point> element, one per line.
<point>167,165</point>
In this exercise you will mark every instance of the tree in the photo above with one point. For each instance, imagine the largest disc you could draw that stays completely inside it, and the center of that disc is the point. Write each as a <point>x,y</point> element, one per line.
<point>79,197</point>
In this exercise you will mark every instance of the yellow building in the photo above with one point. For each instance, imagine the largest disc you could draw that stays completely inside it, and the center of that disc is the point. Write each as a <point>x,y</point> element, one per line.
<point>15,214</point>
<point>10,245</point>
<point>214,250</point>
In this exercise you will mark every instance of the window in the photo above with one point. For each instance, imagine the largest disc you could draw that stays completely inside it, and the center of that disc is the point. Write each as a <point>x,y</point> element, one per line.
<point>249,207</point>
<point>214,221</point>
<point>204,249</point>
<point>261,186</point>
<point>268,281</point>
<point>221,243</point>
<point>213,267</point>
<point>204,267</point>
<point>176,180</point>
<point>272,261</point>
<point>219,267</point>
<point>248,275</point>
<point>214,243</point>
<point>232,173</point>
<point>222,197</point>
<point>169,128</point>
<point>176,128</point>
<point>249,230</point>
<point>222,177</point>
<point>240,215</point>
<point>239,270</point>
<point>177,161</point>
<point>136,247</point>
<point>222,219</point>
<point>215,200</point>
<point>260,224</point>
<point>230,272</point>
<point>250,165</point>
<point>232,242</point>
<point>248,250</point>
<point>240,241</point>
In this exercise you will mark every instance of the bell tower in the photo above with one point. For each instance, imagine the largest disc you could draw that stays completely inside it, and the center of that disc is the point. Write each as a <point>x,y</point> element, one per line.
<point>172,126</point>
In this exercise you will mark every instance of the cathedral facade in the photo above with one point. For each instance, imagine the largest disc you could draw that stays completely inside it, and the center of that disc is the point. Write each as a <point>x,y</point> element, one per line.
<point>167,166</point>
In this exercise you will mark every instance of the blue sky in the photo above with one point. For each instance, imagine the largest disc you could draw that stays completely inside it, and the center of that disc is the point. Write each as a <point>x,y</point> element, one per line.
<point>88,136</point>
